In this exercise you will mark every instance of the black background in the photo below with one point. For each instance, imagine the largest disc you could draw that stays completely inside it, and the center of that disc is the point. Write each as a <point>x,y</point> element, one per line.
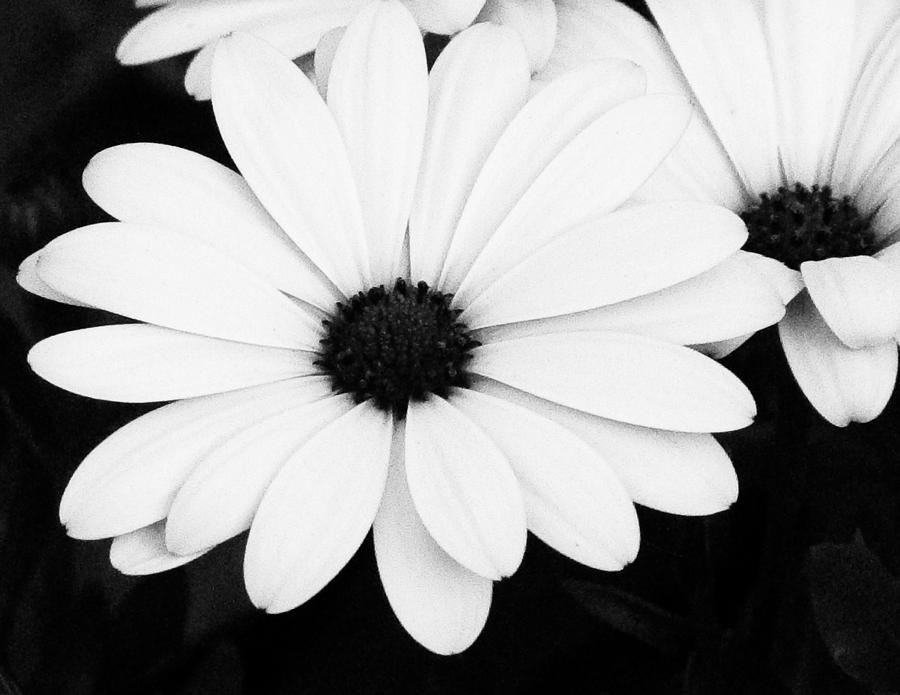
<point>793,590</point>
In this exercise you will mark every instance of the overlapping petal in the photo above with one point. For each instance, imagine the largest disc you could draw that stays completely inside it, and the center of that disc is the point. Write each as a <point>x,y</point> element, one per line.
<point>162,277</point>
<point>318,509</point>
<point>378,93</point>
<point>131,478</point>
<point>843,384</point>
<point>624,377</point>
<point>443,605</point>
<point>463,489</point>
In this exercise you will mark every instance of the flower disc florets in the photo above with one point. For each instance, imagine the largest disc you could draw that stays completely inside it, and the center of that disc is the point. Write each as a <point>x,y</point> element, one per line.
<point>800,224</point>
<point>393,345</point>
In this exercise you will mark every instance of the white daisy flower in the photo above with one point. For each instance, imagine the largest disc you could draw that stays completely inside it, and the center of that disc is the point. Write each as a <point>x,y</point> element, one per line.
<point>295,27</point>
<point>799,134</point>
<point>526,372</point>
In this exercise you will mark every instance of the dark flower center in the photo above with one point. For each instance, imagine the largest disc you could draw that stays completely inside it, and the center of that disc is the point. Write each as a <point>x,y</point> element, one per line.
<point>397,344</point>
<point>800,224</point>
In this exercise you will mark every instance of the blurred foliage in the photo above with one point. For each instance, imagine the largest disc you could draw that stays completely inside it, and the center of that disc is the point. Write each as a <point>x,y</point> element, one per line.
<point>777,595</point>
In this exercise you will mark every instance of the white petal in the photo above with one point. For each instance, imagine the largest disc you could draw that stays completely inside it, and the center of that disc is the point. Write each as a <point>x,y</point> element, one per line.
<point>138,363</point>
<point>144,552</point>
<point>727,301</point>
<point>464,489</point>
<point>324,58</point>
<point>623,377</point>
<point>538,133</point>
<point>698,168</point>
<point>859,298</point>
<point>478,83</point>
<point>444,16</point>
<point>285,142</point>
<point>28,279</point>
<point>439,602</point>
<point>130,479</point>
<point>674,472</point>
<point>220,497</point>
<point>629,253</point>
<point>843,384</point>
<point>378,93</point>
<point>186,26</point>
<point>534,20</point>
<point>163,186</point>
<point>872,124</point>
<point>318,510</point>
<point>163,277</point>
<point>183,26</point>
<point>594,174</point>
<point>199,73</point>
<point>721,47</point>
<point>877,196</point>
<point>573,500</point>
<point>720,349</point>
<point>786,281</point>
<point>813,68</point>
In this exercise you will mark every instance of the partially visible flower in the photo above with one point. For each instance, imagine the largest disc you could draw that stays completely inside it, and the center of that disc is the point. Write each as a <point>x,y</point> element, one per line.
<point>799,134</point>
<point>526,370</point>
<point>295,27</point>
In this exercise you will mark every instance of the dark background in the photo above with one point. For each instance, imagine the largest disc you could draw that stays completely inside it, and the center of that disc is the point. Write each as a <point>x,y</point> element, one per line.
<point>793,590</point>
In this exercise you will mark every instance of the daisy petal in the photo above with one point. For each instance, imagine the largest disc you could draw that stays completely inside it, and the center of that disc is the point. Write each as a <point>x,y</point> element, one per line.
<point>186,26</point>
<point>444,16</point>
<point>715,43</point>
<point>478,83</point>
<point>624,377</point>
<point>573,500</point>
<point>674,472</point>
<point>630,253</point>
<point>538,133</point>
<point>785,281</point>
<point>813,68</point>
<point>464,489</point>
<point>876,196</point>
<point>318,510</point>
<point>439,602</point>
<point>324,58</point>
<point>285,143</point>
<point>533,20</point>
<point>720,349</point>
<point>378,93</point>
<point>727,301</point>
<point>843,384</point>
<point>163,186</point>
<point>220,497</point>
<point>199,73</point>
<point>137,363</point>
<point>131,478</point>
<point>871,123</point>
<point>28,279</point>
<point>698,168</point>
<point>165,278</point>
<point>144,552</point>
<point>594,174</point>
<point>859,298</point>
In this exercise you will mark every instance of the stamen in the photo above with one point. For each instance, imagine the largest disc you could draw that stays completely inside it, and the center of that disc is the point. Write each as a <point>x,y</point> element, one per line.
<point>800,224</point>
<point>394,345</point>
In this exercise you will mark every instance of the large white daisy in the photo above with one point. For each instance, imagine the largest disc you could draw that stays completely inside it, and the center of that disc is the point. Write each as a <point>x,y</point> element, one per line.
<point>527,371</point>
<point>799,133</point>
<point>295,27</point>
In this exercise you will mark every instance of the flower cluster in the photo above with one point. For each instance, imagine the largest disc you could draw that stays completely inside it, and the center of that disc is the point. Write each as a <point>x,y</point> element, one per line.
<point>454,307</point>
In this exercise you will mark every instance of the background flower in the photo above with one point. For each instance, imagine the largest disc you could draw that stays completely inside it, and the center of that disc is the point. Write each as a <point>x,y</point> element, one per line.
<point>295,27</point>
<point>578,399</point>
<point>797,133</point>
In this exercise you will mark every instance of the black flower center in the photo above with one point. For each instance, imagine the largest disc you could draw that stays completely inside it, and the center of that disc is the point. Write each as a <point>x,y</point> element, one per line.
<point>800,224</point>
<point>397,344</point>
